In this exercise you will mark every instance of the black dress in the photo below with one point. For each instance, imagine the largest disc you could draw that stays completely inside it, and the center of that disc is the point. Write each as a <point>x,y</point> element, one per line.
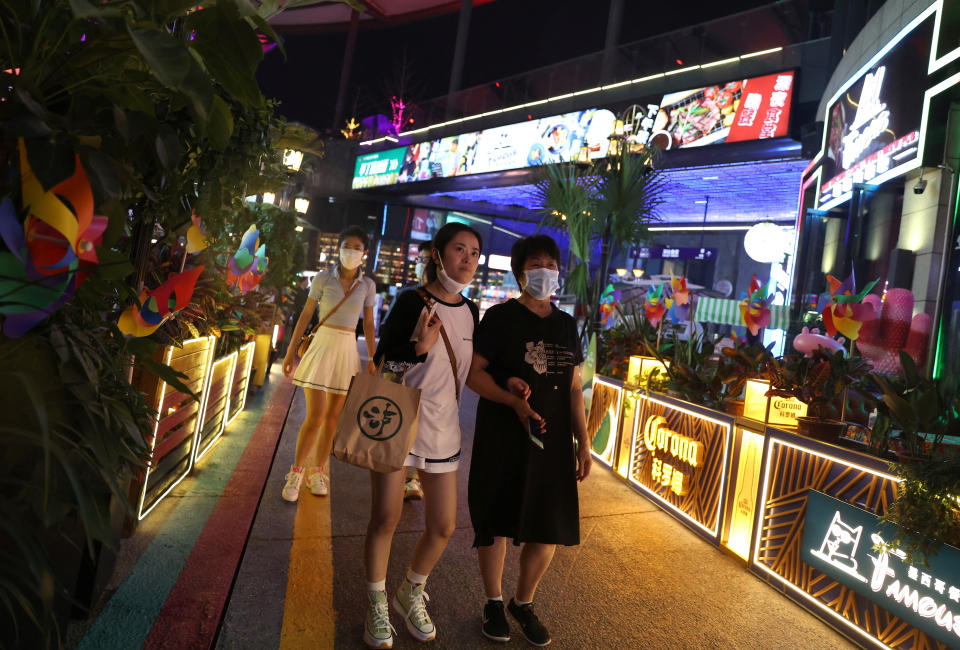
<point>516,489</point>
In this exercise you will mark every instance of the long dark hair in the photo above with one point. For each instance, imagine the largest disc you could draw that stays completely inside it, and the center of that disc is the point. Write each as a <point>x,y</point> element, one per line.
<point>440,241</point>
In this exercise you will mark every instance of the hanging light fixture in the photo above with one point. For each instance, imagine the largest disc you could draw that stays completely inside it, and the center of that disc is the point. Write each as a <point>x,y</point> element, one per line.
<point>583,158</point>
<point>301,204</point>
<point>269,197</point>
<point>292,159</point>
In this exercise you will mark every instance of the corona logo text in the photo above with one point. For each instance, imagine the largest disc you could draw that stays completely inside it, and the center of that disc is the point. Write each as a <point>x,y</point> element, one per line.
<point>659,438</point>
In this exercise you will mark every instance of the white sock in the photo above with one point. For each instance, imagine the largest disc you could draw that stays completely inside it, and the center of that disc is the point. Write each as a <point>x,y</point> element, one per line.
<point>500,598</point>
<point>415,578</point>
<point>521,603</point>
<point>378,586</point>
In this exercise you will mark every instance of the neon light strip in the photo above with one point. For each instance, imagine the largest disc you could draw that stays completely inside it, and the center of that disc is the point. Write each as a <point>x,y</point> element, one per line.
<point>141,513</point>
<point>723,473</point>
<point>207,382</point>
<point>949,57</point>
<point>246,382</point>
<point>619,389</point>
<point>424,129</point>
<point>759,523</point>
<point>695,228</point>
<point>232,357</point>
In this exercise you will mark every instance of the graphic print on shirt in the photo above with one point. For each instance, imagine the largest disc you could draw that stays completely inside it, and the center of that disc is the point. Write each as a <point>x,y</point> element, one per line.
<point>547,358</point>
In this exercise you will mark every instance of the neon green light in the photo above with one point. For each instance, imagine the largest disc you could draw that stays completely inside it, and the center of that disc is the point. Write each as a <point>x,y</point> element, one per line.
<point>941,344</point>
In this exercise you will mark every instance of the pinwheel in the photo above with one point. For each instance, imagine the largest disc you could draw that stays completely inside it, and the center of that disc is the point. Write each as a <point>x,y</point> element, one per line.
<point>846,312</point>
<point>247,267</point>
<point>156,306</point>
<point>608,306</point>
<point>51,252</point>
<point>682,302</point>
<point>656,305</point>
<point>755,308</point>
<point>196,236</point>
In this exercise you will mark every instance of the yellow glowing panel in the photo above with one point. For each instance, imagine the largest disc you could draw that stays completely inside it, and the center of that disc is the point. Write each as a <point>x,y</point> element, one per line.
<point>745,493</point>
<point>641,367</point>
<point>783,411</point>
<point>633,370</point>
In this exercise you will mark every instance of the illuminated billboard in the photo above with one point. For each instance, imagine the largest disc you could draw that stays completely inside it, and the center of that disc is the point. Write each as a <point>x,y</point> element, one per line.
<point>748,109</point>
<point>873,126</point>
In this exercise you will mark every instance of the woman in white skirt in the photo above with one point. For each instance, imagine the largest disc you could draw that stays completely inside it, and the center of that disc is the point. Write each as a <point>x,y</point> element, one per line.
<point>332,359</point>
<point>411,344</point>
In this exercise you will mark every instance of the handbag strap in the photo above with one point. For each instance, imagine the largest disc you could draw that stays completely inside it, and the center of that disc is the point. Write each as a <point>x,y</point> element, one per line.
<point>446,342</point>
<point>337,306</point>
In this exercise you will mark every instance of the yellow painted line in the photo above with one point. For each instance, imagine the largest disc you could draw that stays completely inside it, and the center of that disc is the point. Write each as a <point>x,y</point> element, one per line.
<point>308,616</point>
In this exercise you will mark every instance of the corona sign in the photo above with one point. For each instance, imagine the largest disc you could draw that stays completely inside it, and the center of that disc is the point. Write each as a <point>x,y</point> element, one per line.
<point>658,437</point>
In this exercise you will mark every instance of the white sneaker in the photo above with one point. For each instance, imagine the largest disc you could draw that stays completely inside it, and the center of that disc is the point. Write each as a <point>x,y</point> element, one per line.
<point>291,489</point>
<point>318,483</point>
<point>411,603</point>
<point>377,630</point>
<point>412,490</point>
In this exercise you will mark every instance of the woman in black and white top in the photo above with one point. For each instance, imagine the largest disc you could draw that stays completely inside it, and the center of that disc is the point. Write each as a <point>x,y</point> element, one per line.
<point>340,295</point>
<point>411,344</point>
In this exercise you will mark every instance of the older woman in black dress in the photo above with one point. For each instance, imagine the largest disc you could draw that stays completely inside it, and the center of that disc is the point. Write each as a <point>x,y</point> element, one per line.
<point>525,467</point>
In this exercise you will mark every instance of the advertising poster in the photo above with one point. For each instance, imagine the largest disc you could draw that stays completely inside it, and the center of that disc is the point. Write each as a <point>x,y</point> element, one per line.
<point>874,126</point>
<point>748,109</point>
<point>547,140</point>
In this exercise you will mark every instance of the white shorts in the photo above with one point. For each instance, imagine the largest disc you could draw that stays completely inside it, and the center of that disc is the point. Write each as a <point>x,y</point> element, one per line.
<point>330,363</point>
<point>433,465</point>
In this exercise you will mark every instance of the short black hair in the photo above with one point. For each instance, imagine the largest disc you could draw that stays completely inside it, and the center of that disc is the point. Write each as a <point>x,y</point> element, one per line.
<point>444,237</point>
<point>355,231</point>
<point>528,247</point>
<point>425,246</point>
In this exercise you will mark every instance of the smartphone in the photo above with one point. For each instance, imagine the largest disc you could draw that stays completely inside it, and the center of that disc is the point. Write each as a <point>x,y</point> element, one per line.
<point>423,322</point>
<point>533,430</point>
<point>433,310</point>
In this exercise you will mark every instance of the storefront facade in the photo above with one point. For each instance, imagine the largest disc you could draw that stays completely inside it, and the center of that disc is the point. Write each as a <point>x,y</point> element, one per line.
<point>879,198</point>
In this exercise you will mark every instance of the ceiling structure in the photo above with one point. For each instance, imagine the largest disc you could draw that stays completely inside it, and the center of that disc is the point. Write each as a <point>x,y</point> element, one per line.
<point>728,194</point>
<point>315,16</point>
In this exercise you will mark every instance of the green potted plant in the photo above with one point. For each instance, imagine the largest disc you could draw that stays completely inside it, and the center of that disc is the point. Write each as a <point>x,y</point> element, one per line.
<point>819,380</point>
<point>918,419</point>
<point>735,365</point>
<point>693,372</point>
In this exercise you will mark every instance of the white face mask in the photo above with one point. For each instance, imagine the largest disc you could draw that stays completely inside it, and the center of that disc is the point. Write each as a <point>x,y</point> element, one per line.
<point>448,283</point>
<point>420,268</point>
<point>541,283</point>
<point>350,258</point>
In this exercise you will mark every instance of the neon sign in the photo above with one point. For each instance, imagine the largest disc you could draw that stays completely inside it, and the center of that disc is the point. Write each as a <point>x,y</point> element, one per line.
<point>839,539</point>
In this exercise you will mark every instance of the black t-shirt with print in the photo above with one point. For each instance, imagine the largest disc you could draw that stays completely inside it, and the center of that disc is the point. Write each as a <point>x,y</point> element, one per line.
<point>517,489</point>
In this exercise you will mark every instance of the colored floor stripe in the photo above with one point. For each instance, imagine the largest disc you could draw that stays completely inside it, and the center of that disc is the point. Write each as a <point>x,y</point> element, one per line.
<point>190,615</point>
<point>127,617</point>
<point>308,617</point>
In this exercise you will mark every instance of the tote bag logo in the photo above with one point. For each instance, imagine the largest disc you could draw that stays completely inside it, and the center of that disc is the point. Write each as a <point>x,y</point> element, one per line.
<point>379,418</point>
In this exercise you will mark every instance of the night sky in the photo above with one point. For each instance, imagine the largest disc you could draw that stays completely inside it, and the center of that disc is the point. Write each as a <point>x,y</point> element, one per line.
<point>507,37</point>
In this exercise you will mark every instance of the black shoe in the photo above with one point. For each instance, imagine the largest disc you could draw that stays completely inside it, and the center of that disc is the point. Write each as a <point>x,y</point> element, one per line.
<point>495,626</point>
<point>532,628</point>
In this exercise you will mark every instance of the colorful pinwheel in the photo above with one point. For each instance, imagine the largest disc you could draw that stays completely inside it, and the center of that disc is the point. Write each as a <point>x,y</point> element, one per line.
<point>608,306</point>
<point>682,300</point>
<point>196,236</point>
<point>846,312</point>
<point>51,253</point>
<point>248,266</point>
<point>155,306</point>
<point>755,308</point>
<point>656,305</point>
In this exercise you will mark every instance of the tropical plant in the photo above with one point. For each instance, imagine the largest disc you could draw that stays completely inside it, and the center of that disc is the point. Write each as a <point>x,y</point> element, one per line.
<point>694,371</point>
<point>632,334</point>
<point>818,380</point>
<point>610,202</point>
<point>740,363</point>
<point>160,103</point>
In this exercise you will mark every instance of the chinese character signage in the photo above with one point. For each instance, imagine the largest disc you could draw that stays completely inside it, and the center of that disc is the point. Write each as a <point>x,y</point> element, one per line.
<point>679,457</point>
<point>873,127</point>
<point>671,253</point>
<point>840,540</point>
<point>749,109</point>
